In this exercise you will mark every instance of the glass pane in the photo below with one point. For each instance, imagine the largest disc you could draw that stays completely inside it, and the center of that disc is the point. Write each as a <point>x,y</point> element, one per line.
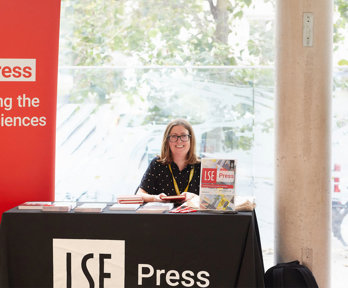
<point>107,133</point>
<point>339,178</point>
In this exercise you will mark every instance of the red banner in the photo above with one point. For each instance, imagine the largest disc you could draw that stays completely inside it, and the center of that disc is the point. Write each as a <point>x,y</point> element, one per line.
<point>29,33</point>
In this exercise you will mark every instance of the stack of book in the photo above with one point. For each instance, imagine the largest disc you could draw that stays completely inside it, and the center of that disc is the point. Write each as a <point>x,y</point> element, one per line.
<point>155,207</point>
<point>127,207</point>
<point>130,199</point>
<point>33,205</point>
<point>90,207</point>
<point>59,206</point>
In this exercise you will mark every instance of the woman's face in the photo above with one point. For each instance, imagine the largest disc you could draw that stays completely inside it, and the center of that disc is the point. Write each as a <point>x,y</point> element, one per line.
<point>179,148</point>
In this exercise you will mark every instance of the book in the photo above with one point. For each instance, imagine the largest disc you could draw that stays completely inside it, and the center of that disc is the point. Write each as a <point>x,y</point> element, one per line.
<point>130,199</point>
<point>217,187</point>
<point>90,207</point>
<point>177,198</point>
<point>59,206</point>
<point>155,207</point>
<point>130,206</point>
<point>33,205</point>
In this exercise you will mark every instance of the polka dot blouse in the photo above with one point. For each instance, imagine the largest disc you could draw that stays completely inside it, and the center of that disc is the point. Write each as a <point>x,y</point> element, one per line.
<point>158,179</point>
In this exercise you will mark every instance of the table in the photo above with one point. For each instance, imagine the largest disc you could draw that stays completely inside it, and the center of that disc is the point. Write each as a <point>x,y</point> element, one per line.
<point>159,250</point>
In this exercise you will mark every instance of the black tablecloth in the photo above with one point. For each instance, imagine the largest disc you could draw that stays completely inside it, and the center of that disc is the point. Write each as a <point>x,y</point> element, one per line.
<point>227,246</point>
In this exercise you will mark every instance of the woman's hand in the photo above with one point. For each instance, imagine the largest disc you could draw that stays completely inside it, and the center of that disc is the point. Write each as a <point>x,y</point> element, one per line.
<point>150,198</point>
<point>157,198</point>
<point>192,200</point>
<point>188,195</point>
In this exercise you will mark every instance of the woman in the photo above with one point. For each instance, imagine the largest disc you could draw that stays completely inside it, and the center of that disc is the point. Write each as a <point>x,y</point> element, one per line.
<point>177,170</point>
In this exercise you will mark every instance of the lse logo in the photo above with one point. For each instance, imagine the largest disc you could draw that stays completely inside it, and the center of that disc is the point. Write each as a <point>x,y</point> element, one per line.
<point>209,175</point>
<point>17,70</point>
<point>88,263</point>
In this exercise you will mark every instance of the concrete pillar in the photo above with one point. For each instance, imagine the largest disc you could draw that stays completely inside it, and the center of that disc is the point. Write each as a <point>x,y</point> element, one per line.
<point>303,115</point>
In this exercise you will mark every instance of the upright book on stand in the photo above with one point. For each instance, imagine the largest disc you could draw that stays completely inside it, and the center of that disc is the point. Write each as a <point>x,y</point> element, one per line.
<point>217,187</point>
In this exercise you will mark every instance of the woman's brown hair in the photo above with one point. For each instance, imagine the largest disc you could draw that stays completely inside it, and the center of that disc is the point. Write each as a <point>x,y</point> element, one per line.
<point>166,154</point>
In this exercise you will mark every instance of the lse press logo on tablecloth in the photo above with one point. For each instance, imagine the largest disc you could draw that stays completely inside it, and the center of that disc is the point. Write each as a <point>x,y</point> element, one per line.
<point>88,263</point>
<point>101,264</point>
<point>17,70</point>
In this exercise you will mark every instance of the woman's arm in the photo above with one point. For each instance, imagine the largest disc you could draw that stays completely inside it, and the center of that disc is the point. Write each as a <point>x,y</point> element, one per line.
<point>148,197</point>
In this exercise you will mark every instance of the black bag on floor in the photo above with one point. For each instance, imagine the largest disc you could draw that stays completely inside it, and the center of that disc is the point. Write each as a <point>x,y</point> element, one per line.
<point>292,274</point>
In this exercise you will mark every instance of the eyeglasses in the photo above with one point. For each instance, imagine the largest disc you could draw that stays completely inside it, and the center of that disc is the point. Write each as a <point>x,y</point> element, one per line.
<point>183,138</point>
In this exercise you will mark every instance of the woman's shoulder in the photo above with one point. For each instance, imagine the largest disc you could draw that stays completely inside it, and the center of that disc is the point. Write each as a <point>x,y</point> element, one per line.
<point>196,164</point>
<point>198,161</point>
<point>155,162</point>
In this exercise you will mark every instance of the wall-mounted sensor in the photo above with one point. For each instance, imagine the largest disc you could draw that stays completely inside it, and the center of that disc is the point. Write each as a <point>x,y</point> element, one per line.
<point>308,19</point>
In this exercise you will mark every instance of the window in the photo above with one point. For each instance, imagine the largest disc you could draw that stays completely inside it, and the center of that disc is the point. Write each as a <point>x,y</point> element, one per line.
<point>126,68</point>
<point>123,77</point>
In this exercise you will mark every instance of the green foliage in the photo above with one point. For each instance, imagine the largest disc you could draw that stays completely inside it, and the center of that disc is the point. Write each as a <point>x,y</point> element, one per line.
<point>127,33</point>
<point>342,122</point>
<point>340,26</point>
<point>343,62</point>
<point>175,32</point>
